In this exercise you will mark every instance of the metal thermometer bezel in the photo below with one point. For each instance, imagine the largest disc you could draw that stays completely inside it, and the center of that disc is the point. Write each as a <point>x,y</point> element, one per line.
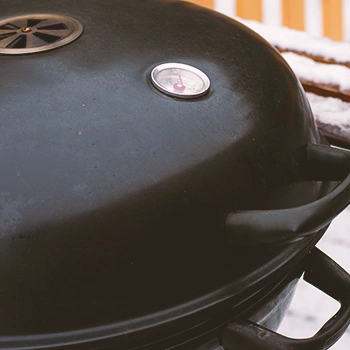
<point>173,65</point>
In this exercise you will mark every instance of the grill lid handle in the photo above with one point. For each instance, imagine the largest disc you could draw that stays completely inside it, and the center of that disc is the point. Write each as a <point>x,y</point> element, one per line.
<point>324,163</point>
<point>321,272</point>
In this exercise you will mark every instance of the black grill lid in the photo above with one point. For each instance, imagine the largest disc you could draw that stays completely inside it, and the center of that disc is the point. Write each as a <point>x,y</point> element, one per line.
<point>85,135</point>
<point>108,186</point>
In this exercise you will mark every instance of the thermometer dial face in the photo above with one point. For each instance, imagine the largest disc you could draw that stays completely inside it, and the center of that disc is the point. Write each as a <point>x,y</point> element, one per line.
<point>180,80</point>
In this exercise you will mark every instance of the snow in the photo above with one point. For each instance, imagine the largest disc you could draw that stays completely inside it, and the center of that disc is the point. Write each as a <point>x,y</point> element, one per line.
<point>319,73</point>
<point>329,110</point>
<point>290,39</point>
<point>310,308</point>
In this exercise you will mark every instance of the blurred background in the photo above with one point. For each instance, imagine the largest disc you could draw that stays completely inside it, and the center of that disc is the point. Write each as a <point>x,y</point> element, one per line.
<point>330,18</point>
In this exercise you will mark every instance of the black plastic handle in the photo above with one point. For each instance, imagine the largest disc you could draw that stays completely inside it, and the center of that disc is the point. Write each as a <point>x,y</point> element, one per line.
<point>289,225</point>
<point>323,273</point>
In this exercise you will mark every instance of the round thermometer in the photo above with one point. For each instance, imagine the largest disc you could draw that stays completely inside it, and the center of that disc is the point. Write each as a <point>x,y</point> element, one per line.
<point>180,80</point>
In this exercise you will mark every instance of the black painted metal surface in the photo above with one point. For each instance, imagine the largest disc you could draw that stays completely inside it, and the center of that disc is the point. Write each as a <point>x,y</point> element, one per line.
<point>113,196</point>
<point>321,272</point>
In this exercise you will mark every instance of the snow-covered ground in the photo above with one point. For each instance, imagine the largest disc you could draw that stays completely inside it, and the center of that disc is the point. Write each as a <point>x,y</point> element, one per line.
<point>310,308</point>
<point>295,40</point>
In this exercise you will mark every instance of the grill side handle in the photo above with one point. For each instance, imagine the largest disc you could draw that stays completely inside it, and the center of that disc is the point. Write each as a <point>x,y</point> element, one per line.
<point>321,272</point>
<point>323,163</point>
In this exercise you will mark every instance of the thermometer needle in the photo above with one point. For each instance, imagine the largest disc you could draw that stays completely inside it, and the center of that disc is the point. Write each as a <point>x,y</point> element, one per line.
<point>179,86</point>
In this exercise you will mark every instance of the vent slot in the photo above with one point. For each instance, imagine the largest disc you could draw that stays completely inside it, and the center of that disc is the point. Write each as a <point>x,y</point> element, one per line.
<point>48,38</point>
<point>4,36</point>
<point>18,43</point>
<point>58,26</point>
<point>8,26</point>
<point>33,22</point>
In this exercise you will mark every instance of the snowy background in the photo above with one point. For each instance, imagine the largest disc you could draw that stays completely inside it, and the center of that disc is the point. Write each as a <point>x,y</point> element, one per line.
<point>271,13</point>
<point>310,308</point>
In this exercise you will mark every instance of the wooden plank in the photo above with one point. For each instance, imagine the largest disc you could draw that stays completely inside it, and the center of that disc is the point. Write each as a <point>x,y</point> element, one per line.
<point>206,3</point>
<point>293,14</point>
<point>249,9</point>
<point>333,19</point>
